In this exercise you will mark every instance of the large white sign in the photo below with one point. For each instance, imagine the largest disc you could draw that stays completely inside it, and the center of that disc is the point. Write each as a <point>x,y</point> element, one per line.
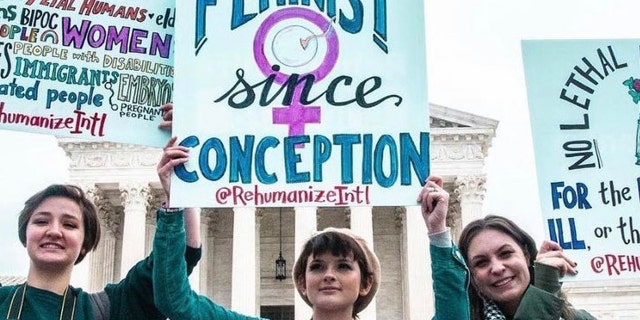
<point>583,100</point>
<point>316,103</point>
<point>87,69</point>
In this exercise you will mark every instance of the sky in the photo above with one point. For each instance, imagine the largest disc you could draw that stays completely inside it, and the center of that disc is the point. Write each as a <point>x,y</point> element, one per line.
<point>474,64</point>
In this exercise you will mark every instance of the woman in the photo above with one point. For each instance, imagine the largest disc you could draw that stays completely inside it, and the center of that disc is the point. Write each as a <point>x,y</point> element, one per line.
<point>451,298</point>
<point>336,273</point>
<point>510,278</point>
<point>59,226</point>
<point>334,262</point>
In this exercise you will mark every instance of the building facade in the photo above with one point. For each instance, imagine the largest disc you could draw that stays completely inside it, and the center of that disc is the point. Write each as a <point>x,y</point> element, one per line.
<point>241,245</point>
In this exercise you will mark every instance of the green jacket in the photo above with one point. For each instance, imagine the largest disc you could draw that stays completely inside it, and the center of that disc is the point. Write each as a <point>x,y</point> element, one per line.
<point>450,283</point>
<point>131,298</point>
<point>542,300</point>
<point>177,301</point>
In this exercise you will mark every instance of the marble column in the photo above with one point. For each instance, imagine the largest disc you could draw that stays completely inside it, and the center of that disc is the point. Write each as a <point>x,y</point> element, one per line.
<point>135,197</point>
<point>470,191</point>
<point>418,293</point>
<point>208,252</point>
<point>198,277</point>
<point>362,225</point>
<point>102,260</point>
<point>305,226</point>
<point>155,201</point>
<point>244,281</point>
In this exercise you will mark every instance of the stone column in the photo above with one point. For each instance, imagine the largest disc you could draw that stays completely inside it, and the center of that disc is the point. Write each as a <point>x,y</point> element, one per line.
<point>208,252</point>
<point>362,225</point>
<point>305,226</point>
<point>155,201</point>
<point>418,293</point>
<point>244,283</point>
<point>454,217</point>
<point>198,277</point>
<point>135,197</point>
<point>470,192</point>
<point>102,260</point>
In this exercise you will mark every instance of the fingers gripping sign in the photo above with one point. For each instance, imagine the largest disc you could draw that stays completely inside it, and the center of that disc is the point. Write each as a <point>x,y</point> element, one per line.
<point>551,254</point>
<point>435,204</point>
<point>167,117</point>
<point>172,156</point>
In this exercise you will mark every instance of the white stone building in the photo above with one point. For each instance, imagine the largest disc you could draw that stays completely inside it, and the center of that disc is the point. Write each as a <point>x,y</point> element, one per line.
<point>238,264</point>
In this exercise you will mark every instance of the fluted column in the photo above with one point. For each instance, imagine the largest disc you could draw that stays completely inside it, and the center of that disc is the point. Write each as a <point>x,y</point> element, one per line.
<point>244,280</point>
<point>102,261</point>
<point>155,201</point>
<point>470,191</point>
<point>362,225</point>
<point>198,278</point>
<point>454,217</point>
<point>135,197</point>
<point>418,293</point>
<point>208,250</point>
<point>306,225</point>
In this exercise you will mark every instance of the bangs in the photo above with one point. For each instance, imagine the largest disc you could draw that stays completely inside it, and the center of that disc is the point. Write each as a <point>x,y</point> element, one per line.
<point>337,244</point>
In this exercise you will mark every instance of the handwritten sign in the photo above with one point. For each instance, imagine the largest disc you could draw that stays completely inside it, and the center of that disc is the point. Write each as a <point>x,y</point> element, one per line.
<point>585,115</point>
<point>87,69</point>
<point>316,103</point>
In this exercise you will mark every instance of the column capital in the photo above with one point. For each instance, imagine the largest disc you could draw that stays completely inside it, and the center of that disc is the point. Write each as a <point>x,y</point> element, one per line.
<point>400,216</point>
<point>347,215</point>
<point>470,192</point>
<point>135,194</point>
<point>259,214</point>
<point>155,201</point>
<point>110,218</point>
<point>470,188</point>
<point>210,219</point>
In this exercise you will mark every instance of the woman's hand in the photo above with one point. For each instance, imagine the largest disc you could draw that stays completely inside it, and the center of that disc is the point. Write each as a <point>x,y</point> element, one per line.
<point>435,204</point>
<point>172,156</point>
<point>551,254</point>
<point>167,117</point>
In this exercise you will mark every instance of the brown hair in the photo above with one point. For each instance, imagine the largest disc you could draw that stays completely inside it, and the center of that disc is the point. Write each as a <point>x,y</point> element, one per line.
<point>75,194</point>
<point>522,238</point>
<point>340,243</point>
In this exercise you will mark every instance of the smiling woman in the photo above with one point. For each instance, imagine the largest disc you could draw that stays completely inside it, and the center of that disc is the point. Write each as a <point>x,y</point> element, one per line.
<point>59,226</point>
<point>510,277</point>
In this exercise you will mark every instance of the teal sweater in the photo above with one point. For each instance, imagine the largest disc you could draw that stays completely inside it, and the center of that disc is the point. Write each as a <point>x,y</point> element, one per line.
<point>541,301</point>
<point>449,274</point>
<point>177,301</point>
<point>131,298</point>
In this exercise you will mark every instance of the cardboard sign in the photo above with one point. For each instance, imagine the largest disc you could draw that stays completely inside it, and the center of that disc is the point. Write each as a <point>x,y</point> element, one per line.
<point>584,100</point>
<point>312,103</point>
<point>87,69</point>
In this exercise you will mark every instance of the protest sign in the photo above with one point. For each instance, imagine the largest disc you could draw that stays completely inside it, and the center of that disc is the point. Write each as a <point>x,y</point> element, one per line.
<point>294,104</point>
<point>585,116</point>
<point>87,69</point>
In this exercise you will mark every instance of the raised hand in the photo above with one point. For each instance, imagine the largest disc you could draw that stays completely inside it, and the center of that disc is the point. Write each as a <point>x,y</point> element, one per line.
<point>435,204</point>
<point>167,117</point>
<point>551,254</point>
<point>171,156</point>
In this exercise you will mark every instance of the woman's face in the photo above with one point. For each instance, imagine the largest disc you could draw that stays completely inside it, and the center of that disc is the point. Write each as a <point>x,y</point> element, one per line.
<point>332,283</point>
<point>55,233</point>
<point>499,268</point>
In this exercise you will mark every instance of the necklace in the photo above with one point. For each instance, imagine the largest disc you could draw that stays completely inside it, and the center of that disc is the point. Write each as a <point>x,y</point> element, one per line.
<point>67,310</point>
